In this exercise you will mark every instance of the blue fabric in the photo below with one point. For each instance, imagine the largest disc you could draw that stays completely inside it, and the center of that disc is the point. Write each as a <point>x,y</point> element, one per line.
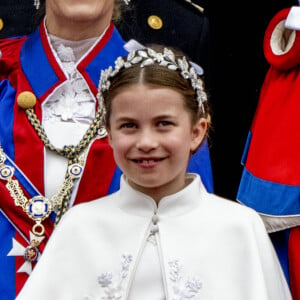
<point>200,164</point>
<point>7,263</point>
<point>246,148</point>
<point>36,65</point>
<point>280,241</point>
<point>7,93</point>
<point>115,183</point>
<point>23,180</point>
<point>106,57</point>
<point>268,197</point>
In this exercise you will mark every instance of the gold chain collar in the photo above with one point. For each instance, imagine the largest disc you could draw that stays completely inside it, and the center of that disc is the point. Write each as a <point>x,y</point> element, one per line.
<point>39,207</point>
<point>71,152</point>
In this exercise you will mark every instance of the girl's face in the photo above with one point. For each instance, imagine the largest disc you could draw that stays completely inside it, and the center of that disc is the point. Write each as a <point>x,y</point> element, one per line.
<point>152,137</point>
<point>80,15</point>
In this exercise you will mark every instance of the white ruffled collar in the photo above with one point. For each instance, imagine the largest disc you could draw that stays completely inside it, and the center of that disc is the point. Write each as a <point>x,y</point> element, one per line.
<point>73,101</point>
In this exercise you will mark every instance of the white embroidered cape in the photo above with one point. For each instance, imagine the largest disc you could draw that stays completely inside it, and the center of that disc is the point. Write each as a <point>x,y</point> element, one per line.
<point>208,248</point>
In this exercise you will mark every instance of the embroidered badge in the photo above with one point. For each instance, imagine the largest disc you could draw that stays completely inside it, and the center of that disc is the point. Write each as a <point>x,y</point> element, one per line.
<point>31,253</point>
<point>183,290</point>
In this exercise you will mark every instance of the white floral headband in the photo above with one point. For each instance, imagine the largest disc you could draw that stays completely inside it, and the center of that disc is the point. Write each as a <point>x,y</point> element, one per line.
<point>146,57</point>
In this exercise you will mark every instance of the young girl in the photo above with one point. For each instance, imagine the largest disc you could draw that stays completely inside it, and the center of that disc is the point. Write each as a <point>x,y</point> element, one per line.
<point>162,235</point>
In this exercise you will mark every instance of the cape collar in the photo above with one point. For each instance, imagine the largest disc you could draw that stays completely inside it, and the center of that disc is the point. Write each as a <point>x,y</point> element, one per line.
<point>182,202</point>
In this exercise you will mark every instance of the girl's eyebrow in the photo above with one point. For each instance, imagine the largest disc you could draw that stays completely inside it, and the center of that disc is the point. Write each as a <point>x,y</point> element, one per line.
<point>165,116</point>
<point>125,119</point>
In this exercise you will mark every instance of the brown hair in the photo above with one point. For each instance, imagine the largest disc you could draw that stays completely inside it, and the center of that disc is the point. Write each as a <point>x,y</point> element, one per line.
<point>156,75</point>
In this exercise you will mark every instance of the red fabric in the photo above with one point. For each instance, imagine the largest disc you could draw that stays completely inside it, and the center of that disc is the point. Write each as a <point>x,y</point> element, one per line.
<point>29,149</point>
<point>8,62</point>
<point>294,262</point>
<point>92,185</point>
<point>274,150</point>
<point>276,133</point>
<point>275,145</point>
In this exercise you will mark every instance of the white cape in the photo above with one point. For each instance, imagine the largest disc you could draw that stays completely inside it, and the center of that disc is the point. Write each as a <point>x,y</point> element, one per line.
<point>208,247</point>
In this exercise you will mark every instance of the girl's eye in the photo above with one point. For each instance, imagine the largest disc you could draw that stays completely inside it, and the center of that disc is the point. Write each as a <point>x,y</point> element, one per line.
<point>164,123</point>
<point>128,125</point>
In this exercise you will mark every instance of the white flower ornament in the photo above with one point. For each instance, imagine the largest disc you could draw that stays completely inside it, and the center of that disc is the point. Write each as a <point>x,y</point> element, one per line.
<point>146,57</point>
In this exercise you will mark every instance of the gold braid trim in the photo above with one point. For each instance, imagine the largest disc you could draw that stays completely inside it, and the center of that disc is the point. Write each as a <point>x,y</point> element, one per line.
<point>17,193</point>
<point>68,151</point>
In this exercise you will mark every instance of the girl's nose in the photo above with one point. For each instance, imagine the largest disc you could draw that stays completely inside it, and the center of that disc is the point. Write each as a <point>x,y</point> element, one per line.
<point>147,141</point>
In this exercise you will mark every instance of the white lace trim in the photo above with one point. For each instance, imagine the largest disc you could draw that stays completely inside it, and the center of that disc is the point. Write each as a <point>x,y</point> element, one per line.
<point>73,100</point>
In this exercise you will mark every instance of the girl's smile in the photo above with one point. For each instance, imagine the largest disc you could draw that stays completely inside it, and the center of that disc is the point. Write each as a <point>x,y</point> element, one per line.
<point>147,162</point>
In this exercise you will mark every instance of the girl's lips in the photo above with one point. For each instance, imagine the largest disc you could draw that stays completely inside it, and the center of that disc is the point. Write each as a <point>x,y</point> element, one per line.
<point>147,162</point>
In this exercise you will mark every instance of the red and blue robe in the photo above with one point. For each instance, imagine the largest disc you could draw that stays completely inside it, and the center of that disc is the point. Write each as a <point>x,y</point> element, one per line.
<point>270,181</point>
<point>28,64</point>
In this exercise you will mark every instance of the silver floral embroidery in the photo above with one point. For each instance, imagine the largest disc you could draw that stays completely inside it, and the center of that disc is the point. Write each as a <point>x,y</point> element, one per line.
<point>113,287</point>
<point>182,291</point>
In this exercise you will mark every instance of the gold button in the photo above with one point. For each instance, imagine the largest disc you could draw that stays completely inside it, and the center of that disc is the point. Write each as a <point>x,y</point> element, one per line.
<point>155,22</point>
<point>26,100</point>
<point>1,24</point>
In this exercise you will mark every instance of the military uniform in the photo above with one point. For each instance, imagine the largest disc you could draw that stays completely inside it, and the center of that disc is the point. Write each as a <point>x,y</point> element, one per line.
<point>28,65</point>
